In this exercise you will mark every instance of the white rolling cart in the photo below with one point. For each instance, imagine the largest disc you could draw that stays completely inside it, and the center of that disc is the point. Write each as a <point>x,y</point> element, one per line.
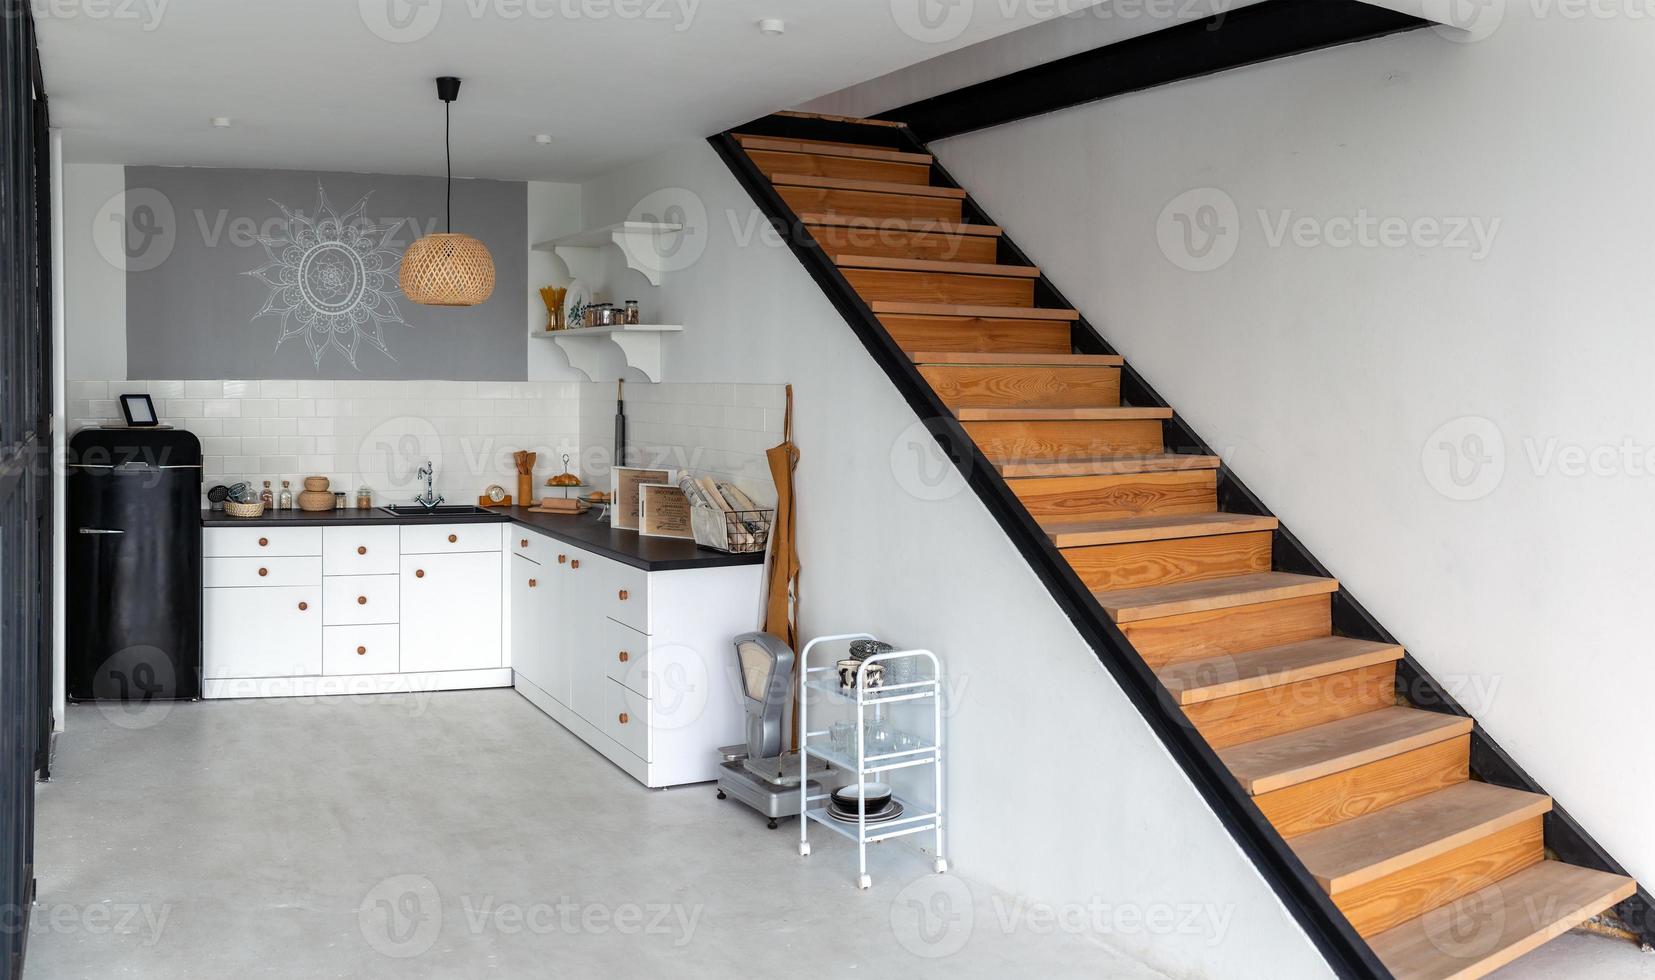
<point>824,680</point>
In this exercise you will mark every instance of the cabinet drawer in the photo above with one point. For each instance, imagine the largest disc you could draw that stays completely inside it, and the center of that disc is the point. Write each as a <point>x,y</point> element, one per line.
<point>627,720</point>
<point>220,573</point>
<point>359,649</point>
<point>441,539</point>
<point>359,599</point>
<point>624,595</point>
<point>258,542</point>
<point>270,632</point>
<point>366,550</point>
<point>534,546</point>
<point>626,656</point>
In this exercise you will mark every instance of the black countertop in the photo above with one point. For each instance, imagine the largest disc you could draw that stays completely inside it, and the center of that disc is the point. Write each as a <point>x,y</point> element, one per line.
<point>583,531</point>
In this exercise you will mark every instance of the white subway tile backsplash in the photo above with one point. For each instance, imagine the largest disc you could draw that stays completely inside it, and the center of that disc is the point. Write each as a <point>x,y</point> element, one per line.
<point>378,432</point>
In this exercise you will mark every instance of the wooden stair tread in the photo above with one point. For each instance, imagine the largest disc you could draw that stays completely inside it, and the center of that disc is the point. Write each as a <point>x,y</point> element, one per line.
<point>1101,413</point>
<point>1227,675</point>
<point>1475,935</point>
<point>1132,605</point>
<point>825,148</point>
<point>949,358</point>
<point>1104,465</point>
<point>867,186</point>
<point>1377,844</point>
<point>895,264</point>
<point>886,306</point>
<point>914,226</point>
<point>1286,760</point>
<point>1153,527</point>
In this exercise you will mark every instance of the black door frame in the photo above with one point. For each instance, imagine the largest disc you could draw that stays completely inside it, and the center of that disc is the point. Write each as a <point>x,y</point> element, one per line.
<point>26,513</point>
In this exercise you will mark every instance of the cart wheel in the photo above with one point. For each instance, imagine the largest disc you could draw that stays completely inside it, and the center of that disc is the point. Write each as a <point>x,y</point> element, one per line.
<point>721,794</point>
<point>941,864</point>
<point>804,849</point>
<point>772,824</point>
<point>864,882</point>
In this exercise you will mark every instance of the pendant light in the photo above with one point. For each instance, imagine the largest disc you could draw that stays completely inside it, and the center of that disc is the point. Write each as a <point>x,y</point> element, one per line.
<point>447,269</point>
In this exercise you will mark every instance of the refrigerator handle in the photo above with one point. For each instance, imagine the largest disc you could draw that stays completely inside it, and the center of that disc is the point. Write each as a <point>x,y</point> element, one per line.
<point>99,530</point>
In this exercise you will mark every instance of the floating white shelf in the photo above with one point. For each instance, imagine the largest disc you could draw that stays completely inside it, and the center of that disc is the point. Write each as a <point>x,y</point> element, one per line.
<point>639,242</point>
<point>639,342</point>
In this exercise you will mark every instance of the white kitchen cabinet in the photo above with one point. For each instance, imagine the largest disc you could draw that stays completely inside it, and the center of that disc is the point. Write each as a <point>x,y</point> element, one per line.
<point>438,539</point>
<point>327,610</point>
<point>372,549</point>
<point>352,650</point>
<point>658,702</point>
<point>451,605</point>
<point>360,600</point>
<point>261,542</point>
<point>270,631</point>
<point>530,584</point>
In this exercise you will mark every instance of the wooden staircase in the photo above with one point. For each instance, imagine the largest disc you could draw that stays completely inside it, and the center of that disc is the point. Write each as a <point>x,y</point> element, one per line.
<point>1442,876</point>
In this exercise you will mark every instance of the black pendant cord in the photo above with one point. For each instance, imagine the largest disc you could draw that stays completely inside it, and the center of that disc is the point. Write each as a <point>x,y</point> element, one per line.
<point>448,162</point>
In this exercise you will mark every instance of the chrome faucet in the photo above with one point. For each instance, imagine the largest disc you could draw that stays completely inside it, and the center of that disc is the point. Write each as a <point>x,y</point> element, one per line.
<point>430,499</point>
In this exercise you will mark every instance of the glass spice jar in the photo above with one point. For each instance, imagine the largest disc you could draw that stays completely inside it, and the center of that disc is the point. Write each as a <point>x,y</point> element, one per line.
<point>632,316</point>
<point>364,498</point>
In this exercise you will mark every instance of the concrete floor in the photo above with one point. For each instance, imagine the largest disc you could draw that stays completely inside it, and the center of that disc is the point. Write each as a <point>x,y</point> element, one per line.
<point>460,834</point>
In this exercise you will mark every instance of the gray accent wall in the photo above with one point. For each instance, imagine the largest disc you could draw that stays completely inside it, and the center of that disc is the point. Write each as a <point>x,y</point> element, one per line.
<point>218,272</point>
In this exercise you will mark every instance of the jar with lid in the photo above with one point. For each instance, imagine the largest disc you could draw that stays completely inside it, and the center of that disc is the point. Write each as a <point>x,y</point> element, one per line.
<point>632,316</point>
<point>364,497</point>
<point>285,500</point>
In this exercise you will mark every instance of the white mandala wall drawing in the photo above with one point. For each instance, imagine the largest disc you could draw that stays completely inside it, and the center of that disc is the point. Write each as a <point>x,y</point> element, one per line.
<point>332,279</point>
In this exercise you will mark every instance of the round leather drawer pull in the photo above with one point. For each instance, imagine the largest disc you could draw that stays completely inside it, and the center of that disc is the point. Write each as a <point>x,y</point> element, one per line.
<point>419,573</point>
<point>532,583</point>
<point>264,542</point>
<point>574,563</point>
<point>623,718</point>
<point>263,572</point>
<point>625,656</point>
<point>523,543</point>
<point>453,538</point>
<point>361,600</point>
<point>361,651</point>
<point>361,549</point>
<point>303,606</point>
<point>623,595</point>
<point>562,558</point>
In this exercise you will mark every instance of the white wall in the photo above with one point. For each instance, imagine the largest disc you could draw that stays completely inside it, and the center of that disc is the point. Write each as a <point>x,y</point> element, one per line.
<point>1059,792</point>
<point>1346,384</point>
<point>94,270</point>
<point>1092,27</point>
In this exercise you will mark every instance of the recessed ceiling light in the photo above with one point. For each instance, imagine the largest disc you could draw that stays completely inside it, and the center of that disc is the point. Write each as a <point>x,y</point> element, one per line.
<point>773,26</point>
<point>543,138</point>
<point>221,122</point>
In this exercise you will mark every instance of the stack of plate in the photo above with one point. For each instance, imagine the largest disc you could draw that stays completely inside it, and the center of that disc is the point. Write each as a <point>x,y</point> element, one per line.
<point>876,797</point>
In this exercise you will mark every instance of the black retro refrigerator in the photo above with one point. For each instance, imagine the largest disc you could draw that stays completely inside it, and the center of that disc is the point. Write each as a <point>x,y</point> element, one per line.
<point>134,565</point>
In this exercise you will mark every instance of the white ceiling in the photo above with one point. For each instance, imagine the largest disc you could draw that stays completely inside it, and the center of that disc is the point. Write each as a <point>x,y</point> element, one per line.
<point>347,84</point>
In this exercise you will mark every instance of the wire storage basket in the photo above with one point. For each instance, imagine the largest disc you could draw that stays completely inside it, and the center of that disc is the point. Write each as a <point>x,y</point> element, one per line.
<point>738,532</point>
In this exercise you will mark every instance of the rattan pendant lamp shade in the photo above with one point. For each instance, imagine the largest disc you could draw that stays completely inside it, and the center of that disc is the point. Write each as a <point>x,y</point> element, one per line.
<point>445,268</point>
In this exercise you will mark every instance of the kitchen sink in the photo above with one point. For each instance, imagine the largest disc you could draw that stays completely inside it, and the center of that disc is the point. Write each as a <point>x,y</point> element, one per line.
<point>441,510</point>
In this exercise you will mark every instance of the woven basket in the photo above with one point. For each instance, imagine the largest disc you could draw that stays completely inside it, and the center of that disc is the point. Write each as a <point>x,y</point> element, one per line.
<point>447,269</point>
<point>316,501</point>
<point>254,509</point>
<point>316,484</point>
